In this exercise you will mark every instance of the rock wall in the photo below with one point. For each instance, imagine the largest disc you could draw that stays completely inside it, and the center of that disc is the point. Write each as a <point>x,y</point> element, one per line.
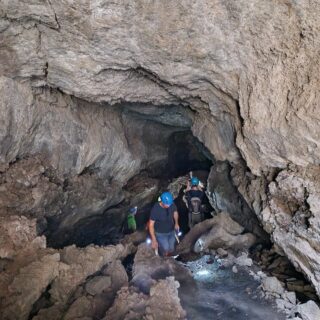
<point>248,69</point>
<point>251,67</point>
<point>65,160</point>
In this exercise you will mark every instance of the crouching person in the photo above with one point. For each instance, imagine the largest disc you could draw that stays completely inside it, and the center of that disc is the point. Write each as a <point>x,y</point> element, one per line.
<point>162,225</point>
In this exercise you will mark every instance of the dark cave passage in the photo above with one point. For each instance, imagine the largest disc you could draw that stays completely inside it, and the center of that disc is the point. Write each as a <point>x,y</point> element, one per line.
<point>177,153</point>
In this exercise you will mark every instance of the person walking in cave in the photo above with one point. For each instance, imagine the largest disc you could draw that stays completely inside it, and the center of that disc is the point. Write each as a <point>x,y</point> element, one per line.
<point>194,197</point>
<point>163,224</point>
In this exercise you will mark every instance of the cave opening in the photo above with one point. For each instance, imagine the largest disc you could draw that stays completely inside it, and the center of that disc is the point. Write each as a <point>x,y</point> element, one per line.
<point>161,136</point>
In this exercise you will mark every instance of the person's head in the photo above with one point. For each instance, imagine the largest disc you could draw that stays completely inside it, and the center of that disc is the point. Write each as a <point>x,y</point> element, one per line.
<point>194,182</point>
<point>166,199</point>
<point>133,210</point>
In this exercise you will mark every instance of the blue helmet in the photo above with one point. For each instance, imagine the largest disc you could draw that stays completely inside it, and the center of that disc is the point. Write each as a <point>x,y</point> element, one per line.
<point>133,210</point>
<point>194,181</point>
<point>167,198</point>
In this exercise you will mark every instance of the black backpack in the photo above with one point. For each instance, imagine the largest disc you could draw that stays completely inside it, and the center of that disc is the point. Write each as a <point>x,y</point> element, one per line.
<point>195,204</point>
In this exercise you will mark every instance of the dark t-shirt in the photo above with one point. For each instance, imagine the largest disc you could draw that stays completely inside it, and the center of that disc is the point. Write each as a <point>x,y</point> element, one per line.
<point>194,194</point>
<point>163,218</point>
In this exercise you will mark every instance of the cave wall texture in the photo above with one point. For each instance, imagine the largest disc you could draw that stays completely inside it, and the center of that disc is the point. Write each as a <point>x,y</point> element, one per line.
<point>248,70</point>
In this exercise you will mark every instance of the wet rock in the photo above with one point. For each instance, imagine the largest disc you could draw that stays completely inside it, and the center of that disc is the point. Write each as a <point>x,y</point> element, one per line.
<point>290,296</point>
<point>283,304</point>
<point>243,260</point>
<point>273,285</point>
<point>234,269</point>
<point>309,310</point>
<point>148,268</point>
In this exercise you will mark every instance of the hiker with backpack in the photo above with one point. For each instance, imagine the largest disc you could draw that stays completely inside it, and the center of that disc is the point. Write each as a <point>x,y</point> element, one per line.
<point>194,196</point>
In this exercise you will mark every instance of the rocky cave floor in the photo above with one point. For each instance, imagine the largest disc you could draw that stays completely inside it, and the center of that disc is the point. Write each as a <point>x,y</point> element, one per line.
<point>216,275</point>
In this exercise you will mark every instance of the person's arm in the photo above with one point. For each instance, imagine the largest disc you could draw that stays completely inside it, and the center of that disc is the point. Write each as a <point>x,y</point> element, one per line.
<point>176,220</point>
<point>153,235</point>
<point>188,186</point>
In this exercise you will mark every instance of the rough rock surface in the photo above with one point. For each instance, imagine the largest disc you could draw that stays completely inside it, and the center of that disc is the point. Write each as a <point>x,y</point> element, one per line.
<point>225,233</point>
<point>249,71</point>
<point>292,217</point>
<point>224,196</point>
<point>250,79</point>
<point>35,271</point>
<point>69,160</point>
<point>153,286</point>
<point>309,311</point>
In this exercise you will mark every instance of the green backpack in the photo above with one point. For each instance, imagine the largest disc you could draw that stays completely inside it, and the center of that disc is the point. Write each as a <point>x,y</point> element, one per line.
<point>132,225</point>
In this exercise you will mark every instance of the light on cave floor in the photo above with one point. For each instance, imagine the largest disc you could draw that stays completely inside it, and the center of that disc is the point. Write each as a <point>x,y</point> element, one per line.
<point>206,269</point>
<point>203,273</point>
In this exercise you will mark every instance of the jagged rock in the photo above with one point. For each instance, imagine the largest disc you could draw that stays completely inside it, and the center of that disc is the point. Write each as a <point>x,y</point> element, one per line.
<point>292,217</point>
<point>254,74</point>
<point>243,260</point>
<point>148,268</point>
<point>34,270</point>
<point>164,293</point>
<point>290,296</point>
<point>252,86</point>
<point>28,286</point>
<point>82,262</point>
<point>224,197</point>
<point>17,232</point>
<point>79,309</point>
<point>309,310</point>
<point>132,305</point>
<point>177,184</point>
<point>272,285</point>
<point>118,275</point>
<point>128,304</point>
<point>98,285</point>
<point>222,253</point>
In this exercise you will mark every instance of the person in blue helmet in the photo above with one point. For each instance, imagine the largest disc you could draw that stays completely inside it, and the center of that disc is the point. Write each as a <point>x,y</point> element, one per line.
<point>194,196</point>
<point>163,223</point>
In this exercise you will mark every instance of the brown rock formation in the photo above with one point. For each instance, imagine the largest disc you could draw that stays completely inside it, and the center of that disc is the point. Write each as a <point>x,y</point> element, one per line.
<point>244,75</point>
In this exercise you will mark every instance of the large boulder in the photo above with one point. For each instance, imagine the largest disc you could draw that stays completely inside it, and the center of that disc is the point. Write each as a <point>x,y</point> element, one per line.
<point>35,273</point>
<point>162,303</point>
<point>219,232</point>
<point>309,310</point>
